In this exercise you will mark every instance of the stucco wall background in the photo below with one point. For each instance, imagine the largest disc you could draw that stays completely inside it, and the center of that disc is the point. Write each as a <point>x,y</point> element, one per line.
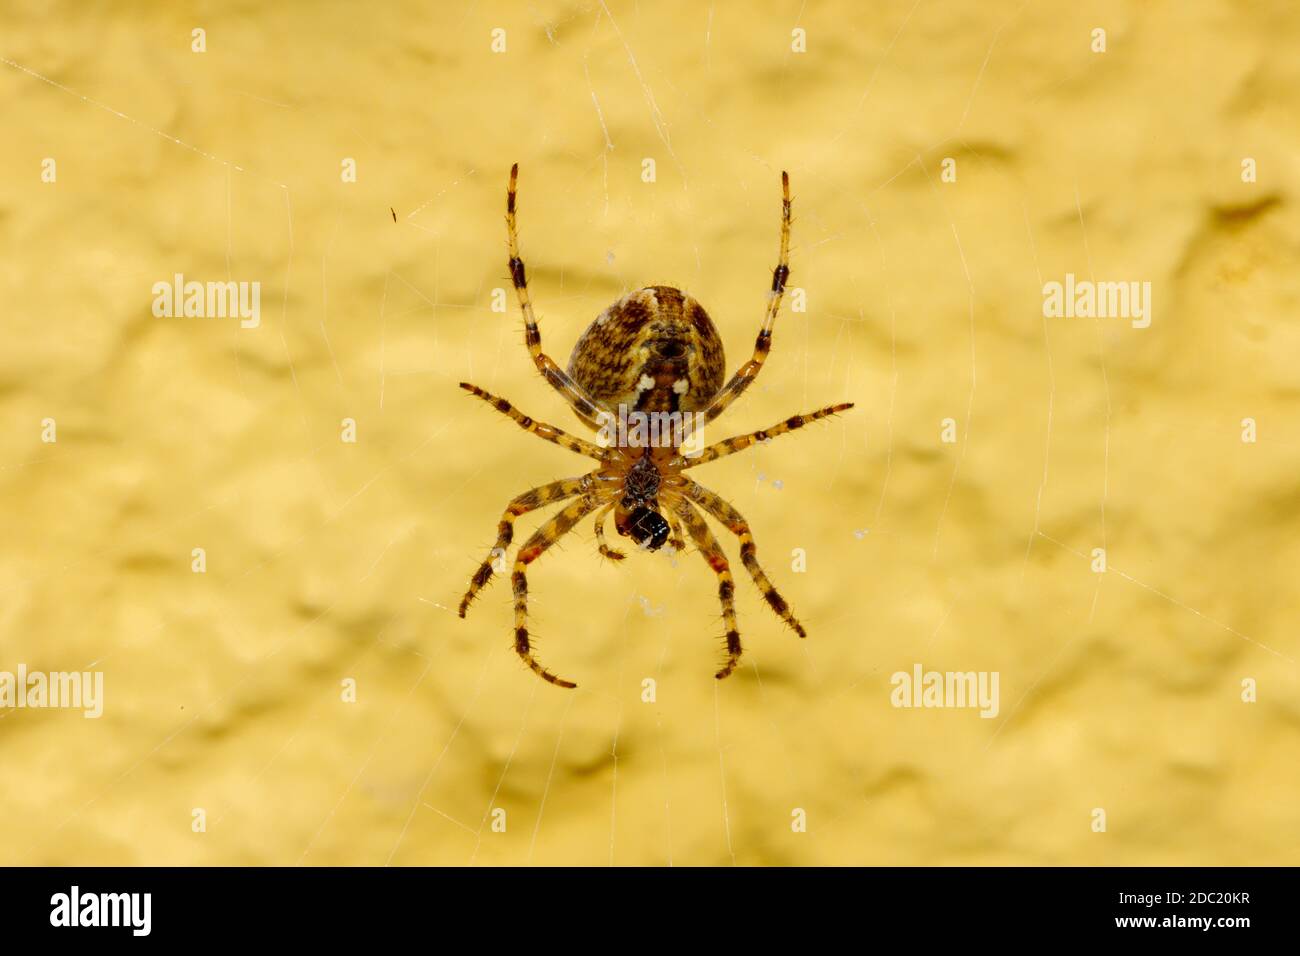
<point>330,561</point>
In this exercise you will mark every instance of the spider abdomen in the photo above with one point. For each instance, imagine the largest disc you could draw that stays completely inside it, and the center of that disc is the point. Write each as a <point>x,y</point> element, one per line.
<point>654,350</point>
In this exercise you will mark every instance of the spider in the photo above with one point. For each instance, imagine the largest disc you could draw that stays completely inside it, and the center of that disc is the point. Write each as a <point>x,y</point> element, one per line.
<point>655,350</point>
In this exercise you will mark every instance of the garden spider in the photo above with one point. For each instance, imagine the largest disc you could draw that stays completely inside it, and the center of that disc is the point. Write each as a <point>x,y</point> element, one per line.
<point>654,351</point>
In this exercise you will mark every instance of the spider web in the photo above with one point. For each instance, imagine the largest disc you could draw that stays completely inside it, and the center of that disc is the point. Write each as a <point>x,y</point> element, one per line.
<point>449,731</point>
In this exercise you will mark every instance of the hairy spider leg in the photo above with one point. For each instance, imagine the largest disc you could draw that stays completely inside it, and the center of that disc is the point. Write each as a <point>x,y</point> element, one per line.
<point>540,429</point>
<point>712,553</point>
<point>729,446</point>
<point>532,549</point>
<point>735,522</point>
<point>763,344</point>
<point>569,390</point>
<point>530,500</point>
<point>606,551</point>
<point>677,542</point>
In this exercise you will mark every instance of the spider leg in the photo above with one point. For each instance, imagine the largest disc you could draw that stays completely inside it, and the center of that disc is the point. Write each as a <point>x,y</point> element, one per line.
<point>569,390</point>
<point>540,429</point>
<point>678,544</point>
<point>612,553</point>
<point>747,372</point>
<point>522,504</point>
<point>717,506</point>
<point>532,549</point>
<point>730,446</point>
<point>712,552</point>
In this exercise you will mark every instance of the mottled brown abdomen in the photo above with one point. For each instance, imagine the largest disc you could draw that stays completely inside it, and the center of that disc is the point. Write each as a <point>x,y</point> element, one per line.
<point>654,350</point>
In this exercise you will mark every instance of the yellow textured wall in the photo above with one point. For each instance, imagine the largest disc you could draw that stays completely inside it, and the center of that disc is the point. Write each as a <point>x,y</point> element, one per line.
<point>326,560</point>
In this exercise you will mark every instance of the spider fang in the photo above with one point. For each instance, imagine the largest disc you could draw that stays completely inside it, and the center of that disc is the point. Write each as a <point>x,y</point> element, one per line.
<point>648,529</point>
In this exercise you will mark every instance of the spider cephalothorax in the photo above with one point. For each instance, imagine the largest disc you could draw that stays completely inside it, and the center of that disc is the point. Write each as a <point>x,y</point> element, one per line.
<point>648,373</point>
<point>637,514</point>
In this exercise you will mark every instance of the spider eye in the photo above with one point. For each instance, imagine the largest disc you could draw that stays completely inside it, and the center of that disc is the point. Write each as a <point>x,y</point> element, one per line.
<point>648,528</point>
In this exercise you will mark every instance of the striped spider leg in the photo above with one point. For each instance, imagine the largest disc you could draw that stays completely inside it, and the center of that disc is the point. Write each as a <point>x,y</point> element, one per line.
<point>746,374</point>
<point>712,553</point>
<point>558,379</point>
<point>584,488</point>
